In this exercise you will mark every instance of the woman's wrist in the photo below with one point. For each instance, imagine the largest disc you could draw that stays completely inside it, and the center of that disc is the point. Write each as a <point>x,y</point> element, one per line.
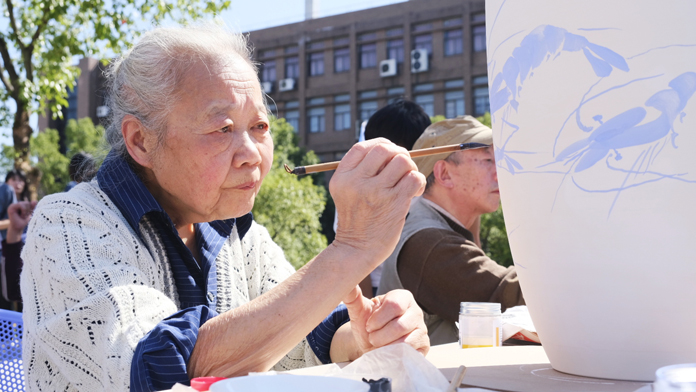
<point>13,236</point>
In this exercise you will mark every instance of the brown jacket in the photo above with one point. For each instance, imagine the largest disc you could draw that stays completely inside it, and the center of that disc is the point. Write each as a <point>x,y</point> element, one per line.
<point>437,260</point>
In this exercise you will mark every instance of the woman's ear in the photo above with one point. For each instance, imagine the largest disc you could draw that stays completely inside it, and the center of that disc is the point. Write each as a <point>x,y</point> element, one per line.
<point>137,140</point>
<point>442,174</point>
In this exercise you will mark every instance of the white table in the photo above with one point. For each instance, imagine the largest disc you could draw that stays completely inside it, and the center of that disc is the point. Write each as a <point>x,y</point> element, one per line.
<point>518,369</point>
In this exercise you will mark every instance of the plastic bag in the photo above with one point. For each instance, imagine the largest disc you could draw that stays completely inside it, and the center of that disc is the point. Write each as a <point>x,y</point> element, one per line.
<point>407,368</point>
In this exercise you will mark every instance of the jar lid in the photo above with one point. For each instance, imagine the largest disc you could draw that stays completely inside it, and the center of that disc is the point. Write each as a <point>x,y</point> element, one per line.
<point>680,377</point>
<point>479,308</point>
<point>204,383</point>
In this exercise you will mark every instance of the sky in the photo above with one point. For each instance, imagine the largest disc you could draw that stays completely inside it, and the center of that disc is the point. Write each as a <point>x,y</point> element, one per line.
<point>249,15</point>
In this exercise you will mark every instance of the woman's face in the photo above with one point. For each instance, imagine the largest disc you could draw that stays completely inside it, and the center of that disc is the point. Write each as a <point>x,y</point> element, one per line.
<point>17,184</point>
<point>217,147</point>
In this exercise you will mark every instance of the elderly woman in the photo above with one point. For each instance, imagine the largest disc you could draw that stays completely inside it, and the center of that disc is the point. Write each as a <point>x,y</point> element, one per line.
<point>155,272</point>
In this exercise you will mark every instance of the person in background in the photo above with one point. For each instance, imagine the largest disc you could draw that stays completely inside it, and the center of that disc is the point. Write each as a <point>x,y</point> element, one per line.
<point>18,181</point>
<point>7,197</point>
<point>400,122</point>
<point>81,168</point>
<point>436,257</point>
<point>19,215</point>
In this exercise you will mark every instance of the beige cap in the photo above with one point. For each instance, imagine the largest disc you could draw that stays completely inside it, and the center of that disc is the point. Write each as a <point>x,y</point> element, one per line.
<point>462,129</point>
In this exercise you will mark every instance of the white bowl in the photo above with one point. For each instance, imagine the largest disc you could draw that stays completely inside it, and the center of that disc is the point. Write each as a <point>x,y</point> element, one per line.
<point>289,383</point>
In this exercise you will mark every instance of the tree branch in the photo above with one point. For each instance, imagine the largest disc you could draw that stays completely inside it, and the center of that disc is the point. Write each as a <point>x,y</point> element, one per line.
<point>6,82</point>
<point>44,22</point>
<point>9,65</point>
<point>13,22</point>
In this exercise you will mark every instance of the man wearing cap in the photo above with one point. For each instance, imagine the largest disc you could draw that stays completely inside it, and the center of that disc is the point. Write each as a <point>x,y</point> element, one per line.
<point>436,257</point>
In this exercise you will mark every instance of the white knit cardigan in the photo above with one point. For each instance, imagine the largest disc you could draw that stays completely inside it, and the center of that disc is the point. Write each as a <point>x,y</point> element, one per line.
<point>92,289</point>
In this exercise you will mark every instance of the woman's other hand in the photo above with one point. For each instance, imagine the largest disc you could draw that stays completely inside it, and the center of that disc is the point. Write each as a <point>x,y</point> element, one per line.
<point>372,188</point>
<point>19,215</point>
<point>386,319</point>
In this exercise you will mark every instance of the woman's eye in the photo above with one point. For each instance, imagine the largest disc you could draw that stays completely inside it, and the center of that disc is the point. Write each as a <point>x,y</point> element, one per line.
<point>225,129</point>
<point>262,127</point>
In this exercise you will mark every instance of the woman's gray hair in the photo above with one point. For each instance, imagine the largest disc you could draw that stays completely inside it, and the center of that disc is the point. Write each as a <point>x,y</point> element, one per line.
<point>145,81</point>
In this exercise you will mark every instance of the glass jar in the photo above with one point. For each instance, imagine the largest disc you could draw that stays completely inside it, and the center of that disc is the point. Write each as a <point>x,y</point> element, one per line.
<point>480,325</point>
<point>676,378</point>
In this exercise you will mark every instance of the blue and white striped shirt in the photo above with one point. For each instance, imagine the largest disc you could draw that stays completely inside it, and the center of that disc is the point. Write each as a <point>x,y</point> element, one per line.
<point>161,356</point>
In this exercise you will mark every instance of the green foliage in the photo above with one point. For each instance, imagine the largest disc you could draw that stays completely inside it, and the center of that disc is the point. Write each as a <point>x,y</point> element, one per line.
<point>81,136</point>
<point>51,162</point>
<point>437,118</point>
<point>288,206</point>
<point>494,240</point>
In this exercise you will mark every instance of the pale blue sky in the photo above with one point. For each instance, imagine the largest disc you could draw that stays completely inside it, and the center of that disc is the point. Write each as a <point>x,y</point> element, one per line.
<point>249,15</point>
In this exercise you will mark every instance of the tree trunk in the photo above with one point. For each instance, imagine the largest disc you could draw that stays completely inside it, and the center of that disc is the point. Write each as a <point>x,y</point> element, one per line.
<point>21,134</point>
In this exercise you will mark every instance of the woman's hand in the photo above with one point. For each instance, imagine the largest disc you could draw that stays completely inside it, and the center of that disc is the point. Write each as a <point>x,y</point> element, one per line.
<point>387,319</point>
<point>372,188</point>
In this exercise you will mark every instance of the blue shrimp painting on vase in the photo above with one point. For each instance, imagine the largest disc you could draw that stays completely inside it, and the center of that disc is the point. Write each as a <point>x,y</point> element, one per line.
<point>593,105</point>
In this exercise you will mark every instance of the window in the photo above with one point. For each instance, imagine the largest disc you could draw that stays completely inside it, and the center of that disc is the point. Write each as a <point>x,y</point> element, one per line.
<point>481,102</point>
<point>316,64</point>
<point>395,50</point>
<point>368,94</point>
<point>292,67</point>
<point>291,50</point>
<point>342,98</point>
<point>423,42</point>
<point>453,42</point>
<point>367,109</point>
<point>316,45</point>
<point>293,118</point>
<point>341,117</point>
<point>427,103</point>
<point>316,120</point>
<point>367,37</point>
<point>394,32</point>
<point>478,34</point>
<point>478,17</point>
<point>453,22</point>
<point>454,83</point>
<point>341,60</point>
<point>341,41</point>
<point>423,87</point>
<point>268,74</point>
<point>72,104</point>
<point>422,27</point>
<point>479,80</point>
<point>292,104</point>
<point>395,94</point>
<point>454,104</point>
<point>316,101</point>
<point>368,56</point>
<point>268,53</point>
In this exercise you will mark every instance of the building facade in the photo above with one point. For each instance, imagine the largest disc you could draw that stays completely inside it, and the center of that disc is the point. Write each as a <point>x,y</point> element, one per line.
<point>326,76</point>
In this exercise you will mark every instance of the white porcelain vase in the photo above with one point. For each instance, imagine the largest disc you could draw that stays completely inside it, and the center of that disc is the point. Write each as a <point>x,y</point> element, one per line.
<point>594,122</point>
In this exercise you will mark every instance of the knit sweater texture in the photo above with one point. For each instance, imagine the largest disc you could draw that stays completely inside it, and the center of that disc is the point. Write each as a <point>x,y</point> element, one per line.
<point>92,289</point>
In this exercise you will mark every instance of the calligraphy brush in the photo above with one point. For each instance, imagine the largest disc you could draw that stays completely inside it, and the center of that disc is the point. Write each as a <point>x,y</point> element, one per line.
<point>322,167</point>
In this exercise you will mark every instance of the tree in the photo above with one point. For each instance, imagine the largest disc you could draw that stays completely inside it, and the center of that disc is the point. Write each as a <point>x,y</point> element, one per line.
<point>290,206</point>
<point>81,136</point>
<point>40,38</point>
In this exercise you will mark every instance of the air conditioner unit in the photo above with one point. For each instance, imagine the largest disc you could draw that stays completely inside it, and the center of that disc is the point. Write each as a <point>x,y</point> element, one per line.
<point>387,68</point>
<point>419,60</point>
<point>102,111</point>
<point>286,84</point>
<point>267,87</point>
